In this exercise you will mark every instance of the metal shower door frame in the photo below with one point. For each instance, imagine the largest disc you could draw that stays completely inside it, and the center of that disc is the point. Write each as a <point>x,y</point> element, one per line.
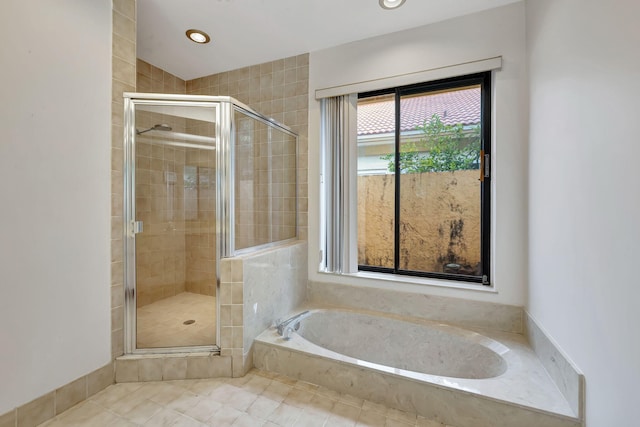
<point>222,108</point>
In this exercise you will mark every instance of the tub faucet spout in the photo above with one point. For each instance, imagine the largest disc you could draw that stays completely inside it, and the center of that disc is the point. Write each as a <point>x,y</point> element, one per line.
<point>286,327</point>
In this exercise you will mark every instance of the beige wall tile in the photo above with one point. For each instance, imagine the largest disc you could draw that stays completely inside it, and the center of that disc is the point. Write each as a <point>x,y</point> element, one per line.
<point>226,337</point>
<point>71,394</point>
<point>237,293</point>
<point>8,419</point>
<point>225,293</point>
<point>126,370</point>
<point>117,318</point>
<point>117,153</point>
<point>143,68</point>
<point>124,26</point>
<point>236,315</point>
<point>123,80</point>
<point>116,205</point>
<point>200,366</point>
<point>117,295</point>
<point>225,315</point>
<point>124,71</point>
<point>117,343</point>
<point>63,398</point>
<point>143,83</point>
<point>174,368</point>
<point>150,369</point>
<point>124,49</point>
<point>100,379</point>
<point>117,122</point>
<point>37,411</point>
<point>236,270</point>
<point>117,272</point>
<point>237,336</point>
<point>125,7</point>
<point>221,366</point>
<point>237,366</point>
<point>117,89</point>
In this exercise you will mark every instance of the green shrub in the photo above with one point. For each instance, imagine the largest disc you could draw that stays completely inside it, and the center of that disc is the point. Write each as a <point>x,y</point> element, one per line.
<point>441,148</point>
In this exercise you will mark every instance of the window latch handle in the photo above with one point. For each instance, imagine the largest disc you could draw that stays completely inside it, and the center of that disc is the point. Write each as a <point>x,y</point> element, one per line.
<point>484,166</point>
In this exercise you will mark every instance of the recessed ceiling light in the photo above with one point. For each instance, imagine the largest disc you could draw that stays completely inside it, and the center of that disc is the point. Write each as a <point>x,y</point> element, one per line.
<point>391,4</point>
<point>198,36</point>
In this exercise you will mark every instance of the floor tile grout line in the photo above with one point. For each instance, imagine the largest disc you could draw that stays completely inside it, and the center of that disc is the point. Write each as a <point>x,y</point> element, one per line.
<point>343,409</point>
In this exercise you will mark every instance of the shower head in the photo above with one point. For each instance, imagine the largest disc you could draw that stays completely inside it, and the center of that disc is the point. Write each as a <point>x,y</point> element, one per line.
<point>160,126</point>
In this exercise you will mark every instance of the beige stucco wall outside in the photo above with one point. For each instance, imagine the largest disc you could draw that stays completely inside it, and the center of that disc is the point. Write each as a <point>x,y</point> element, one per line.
<point>439,220</point>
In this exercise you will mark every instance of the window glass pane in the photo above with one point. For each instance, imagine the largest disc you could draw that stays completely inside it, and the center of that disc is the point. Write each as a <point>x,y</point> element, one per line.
<point>376,181</point>
<point>440,190</point>
<point>423,206</point>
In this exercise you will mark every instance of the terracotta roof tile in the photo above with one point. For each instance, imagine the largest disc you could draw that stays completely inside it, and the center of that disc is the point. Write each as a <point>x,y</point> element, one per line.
<point>460,106</point>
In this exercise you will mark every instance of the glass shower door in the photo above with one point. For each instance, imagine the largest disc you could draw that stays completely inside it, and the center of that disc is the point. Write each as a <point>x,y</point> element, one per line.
<point>174,209</point>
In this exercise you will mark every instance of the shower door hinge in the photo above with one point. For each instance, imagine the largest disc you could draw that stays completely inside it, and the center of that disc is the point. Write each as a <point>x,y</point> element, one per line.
<point>137,227</point>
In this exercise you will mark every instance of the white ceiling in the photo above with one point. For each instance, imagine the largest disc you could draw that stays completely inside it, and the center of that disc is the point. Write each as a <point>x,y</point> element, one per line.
<point>249,32</point>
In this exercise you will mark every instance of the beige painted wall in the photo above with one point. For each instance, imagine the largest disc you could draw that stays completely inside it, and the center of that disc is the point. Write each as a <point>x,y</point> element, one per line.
<point>440,220</point>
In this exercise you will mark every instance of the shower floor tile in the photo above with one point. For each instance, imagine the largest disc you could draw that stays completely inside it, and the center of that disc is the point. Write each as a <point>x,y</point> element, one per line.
<point>162,323</point>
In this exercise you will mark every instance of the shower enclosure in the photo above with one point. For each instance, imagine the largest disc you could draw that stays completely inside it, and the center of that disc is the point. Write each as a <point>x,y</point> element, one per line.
<point>205,178</point>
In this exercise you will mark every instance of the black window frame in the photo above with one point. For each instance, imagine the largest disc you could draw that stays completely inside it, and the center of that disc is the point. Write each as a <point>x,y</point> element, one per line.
<point>484,80</point>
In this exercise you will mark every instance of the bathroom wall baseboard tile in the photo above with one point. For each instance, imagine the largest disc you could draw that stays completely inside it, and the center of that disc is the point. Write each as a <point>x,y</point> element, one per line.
<point>59,400</point>
<point>162,367</point>
<point>8,419</point>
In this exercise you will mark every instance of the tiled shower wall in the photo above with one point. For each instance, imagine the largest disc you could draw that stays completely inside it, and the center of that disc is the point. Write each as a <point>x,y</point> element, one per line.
<point>153,79</point>
<point>200,214</point>
<point>160,249</point>
<point>265,190</point>
<point>175,197</point>
<point>277,89</point>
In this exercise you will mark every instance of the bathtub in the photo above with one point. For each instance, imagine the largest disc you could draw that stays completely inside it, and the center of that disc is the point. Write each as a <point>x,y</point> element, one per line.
<point>443,372</point>
<point>436,350</point>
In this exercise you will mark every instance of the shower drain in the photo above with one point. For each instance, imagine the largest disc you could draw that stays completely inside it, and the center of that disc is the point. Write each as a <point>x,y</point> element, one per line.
<point>189,322</point>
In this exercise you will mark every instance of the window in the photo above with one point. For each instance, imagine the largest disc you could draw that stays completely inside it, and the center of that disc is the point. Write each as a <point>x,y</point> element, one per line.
<point>406,180</point>
<point>422,184</point>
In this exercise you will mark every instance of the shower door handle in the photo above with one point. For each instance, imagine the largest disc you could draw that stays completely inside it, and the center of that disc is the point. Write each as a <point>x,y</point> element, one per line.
<point>137,227</point>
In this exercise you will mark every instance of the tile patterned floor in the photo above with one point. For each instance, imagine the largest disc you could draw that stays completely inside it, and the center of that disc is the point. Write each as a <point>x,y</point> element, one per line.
<point>161,324</point>
<point>257,399</point>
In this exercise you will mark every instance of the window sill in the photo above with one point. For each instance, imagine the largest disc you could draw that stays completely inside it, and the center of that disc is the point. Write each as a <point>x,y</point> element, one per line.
<point>421,281</point>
